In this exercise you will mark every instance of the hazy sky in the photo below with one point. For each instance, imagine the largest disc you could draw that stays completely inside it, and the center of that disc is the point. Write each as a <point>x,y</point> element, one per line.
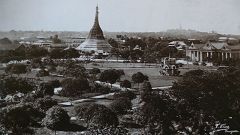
<point>222,16</point>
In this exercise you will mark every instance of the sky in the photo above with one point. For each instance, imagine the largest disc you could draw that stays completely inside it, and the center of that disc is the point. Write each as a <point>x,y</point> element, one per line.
<point>222,16</point>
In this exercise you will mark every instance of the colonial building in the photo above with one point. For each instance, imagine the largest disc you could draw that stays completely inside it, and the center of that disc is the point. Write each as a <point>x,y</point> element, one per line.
<point>95,40</point>
<point>73,41</point>
<point>210,51</point>
<point>180,45</point>
<point>235,51</point>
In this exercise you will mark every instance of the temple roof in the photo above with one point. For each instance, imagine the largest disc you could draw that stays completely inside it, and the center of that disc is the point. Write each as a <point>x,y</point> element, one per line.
<point>96,31</point>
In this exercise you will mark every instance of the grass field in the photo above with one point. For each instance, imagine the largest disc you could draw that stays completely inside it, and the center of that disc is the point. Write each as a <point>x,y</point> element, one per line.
<point>151,70</point>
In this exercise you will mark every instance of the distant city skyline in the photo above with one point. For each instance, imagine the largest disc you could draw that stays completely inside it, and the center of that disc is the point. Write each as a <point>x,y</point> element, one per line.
<point>121,16</point>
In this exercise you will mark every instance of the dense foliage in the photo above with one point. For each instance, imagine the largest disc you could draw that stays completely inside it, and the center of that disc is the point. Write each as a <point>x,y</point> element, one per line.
<point>121,105</point>
<point>43,104</point>
<point>19,117</point>
<point>73,87</point>
<point>126,84</point>
<point>16,68</point>
<point>125,94</point>
<point>73,69</point>
<point>139,77</point>
<point>56,118</point>
<point>110,76</point>
<point>212,94</point>
<point>46,89</point>
<point>96,115</point>
<point>11,85</point>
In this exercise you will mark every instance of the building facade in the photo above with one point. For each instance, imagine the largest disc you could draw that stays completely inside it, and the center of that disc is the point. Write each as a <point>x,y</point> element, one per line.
<point>212,51</point>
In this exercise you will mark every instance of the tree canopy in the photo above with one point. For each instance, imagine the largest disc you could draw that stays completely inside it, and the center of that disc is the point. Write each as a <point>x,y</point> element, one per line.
<point>16,68</point>
<point>213,94</point>
<point>110,76</point>
<point>74,86</point>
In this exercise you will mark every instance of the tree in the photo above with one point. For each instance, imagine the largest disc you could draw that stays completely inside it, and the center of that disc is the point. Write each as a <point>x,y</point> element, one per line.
<point>72,69</point>
<point>12,85</point>
<point>139,78</point>
<point>157,114</point>
<point>100,88</point>
<point>125,84</point>
<point>17,118</point>
<point>35,52</point>
<point>120,72</point>
<point>109,76</point>
<point>121,105</point>
<point>94,71</point>
<point>46,89</point>
<point>125,94</point>
<point>146,91</point>
<point>108,131</point>
<point>16,69</point>
<point>43,104</point>
<point>56,118</point>
<point>113,43</point>
<point>71,53</point>
<point>56,54</point>
<point>36,63</point>
<point>211,94</point>
<point>74,87</point>
<point>97,115</point>
<point>125,53</point>
<point>55,83</point>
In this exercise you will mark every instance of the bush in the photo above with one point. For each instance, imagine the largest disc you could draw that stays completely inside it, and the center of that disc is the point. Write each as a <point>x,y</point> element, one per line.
<point>73,69</point>
<point>139,77</point>
<point>120,72</point>
<point>109,76</point>
<point>213,94</point>
<point>43,104</point>
<point>96,115</point>
<point>125,84</point>
<point>36,63</point>
<point>56,54</point>
<point>74,87</point>
<point>71,53</point>
<point>16,68</point>
<point>125,94</point>
<point>94,71</point>
<point>31,97</point>
<point>46,89</point>
<point>121,105</point>
<point>55,83</point>
<point>99,88</point>
<point>56,118</point>
<point>11,85</point>
<point>18,117</point>
<point>107,131</point>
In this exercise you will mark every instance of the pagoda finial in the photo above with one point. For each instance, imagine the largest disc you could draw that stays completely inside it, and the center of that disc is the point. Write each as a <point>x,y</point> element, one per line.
<point>97,10</point>
<point>96,16</point>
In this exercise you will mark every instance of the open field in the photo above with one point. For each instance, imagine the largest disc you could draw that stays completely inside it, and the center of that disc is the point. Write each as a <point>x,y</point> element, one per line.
<point>151,70</point>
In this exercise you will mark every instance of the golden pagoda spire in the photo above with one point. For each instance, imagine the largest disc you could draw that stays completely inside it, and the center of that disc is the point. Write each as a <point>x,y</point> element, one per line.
<point>96,31</point>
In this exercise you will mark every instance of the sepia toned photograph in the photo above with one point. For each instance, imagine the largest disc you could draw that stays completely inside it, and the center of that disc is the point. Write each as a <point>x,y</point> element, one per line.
<point>119,67</point>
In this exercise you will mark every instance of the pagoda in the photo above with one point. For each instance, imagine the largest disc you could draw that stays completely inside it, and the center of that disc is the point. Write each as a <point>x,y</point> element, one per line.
<point>95,40</point>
